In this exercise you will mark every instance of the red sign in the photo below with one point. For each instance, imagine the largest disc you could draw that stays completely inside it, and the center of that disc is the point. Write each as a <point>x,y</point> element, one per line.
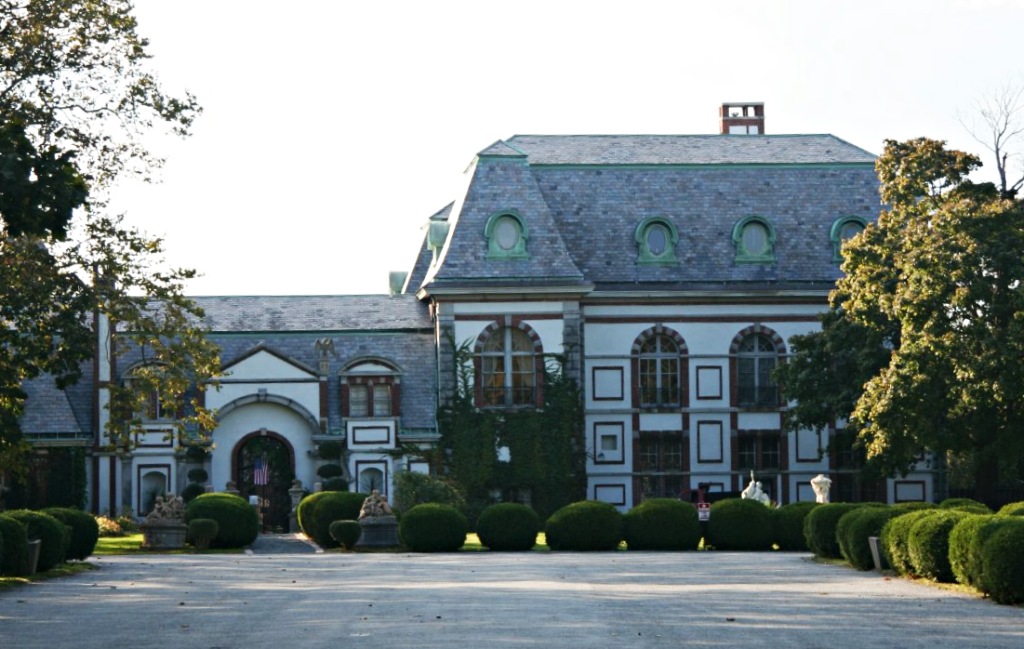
<point>703,511</point>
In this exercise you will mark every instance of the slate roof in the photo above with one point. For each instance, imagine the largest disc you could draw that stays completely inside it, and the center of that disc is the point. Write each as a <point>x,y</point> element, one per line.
<point>48,411</point>
<point>685,149</point>
<point>296,313</point>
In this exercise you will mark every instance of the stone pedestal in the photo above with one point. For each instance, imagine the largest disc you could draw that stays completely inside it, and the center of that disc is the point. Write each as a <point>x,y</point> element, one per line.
<point>163,536</point>
<point>378,532</point>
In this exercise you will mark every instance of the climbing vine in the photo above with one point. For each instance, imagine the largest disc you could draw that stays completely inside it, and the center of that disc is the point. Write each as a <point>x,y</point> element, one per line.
<point>545,460</point>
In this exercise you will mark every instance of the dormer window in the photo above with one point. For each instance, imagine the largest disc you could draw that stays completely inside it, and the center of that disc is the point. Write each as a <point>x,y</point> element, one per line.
<point>656,239</point>
<point>754,238</point>
<point>370,388</point>
<point>844,228</point>
<point>506,236</point>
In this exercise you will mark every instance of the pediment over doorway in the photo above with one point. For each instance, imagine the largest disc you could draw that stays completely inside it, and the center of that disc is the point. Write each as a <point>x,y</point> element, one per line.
<point>261,363</point>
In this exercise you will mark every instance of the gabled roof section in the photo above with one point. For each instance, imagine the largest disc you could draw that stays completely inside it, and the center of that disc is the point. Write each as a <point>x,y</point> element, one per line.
<point>687,149</point>
<point>294,313</point>
<point>501,183</point>
<point>263,362</point>
<point>501,149</point>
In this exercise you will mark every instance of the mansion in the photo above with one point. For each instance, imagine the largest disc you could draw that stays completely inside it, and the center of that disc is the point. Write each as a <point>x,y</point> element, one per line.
<point>667,271</point>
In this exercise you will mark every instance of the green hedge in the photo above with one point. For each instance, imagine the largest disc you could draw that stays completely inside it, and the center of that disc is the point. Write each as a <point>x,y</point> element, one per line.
<point>820,528</point>
<point>192,491</point>
<point>928,544</point>
<point>330,471</point>
<point>433,527</point>
<point>740,524</point>
<point>853,530</point>
<point>788,525</point>
<point>1002,571</point>
<point>895,536</point>
<point>1012,509</point>
<point>238,524</point>
<point>15,535</point>
<point>662,524</point>
<point>317,511</point>
<point>965,505</point>
<point>965,542</point>
<point>202,532</point>
<point>85,531</point>
<point>508,527</point>
<point>54,535</point>
<point>346,533</point>
<point>586,525</point>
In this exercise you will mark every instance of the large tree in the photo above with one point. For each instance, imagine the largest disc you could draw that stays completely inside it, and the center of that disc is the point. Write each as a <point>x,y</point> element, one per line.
<point>927,328</point>
<point>77,99</point>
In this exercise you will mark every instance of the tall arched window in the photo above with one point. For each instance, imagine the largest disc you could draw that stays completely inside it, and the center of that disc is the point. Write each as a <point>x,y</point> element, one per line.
<point>755,363</point>
<point>659,372</point>
<point>508,367</point>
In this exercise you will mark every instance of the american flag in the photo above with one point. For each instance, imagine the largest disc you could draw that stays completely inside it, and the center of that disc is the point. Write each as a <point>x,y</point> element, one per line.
<point>261,472</point>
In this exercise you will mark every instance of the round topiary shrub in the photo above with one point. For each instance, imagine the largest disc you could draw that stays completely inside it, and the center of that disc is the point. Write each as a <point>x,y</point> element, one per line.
<point>965,505</point>
<point>740,524</point>
<point>1002,571</point>
<point>85,532</point>
<point>895,536</point>
<point>1012,509</point>
<point>661,524</point>
<point>238,524</point>
<point>853,530</point>
<point>330,471</point>
<point>15,540</point>
<point>911,506</point>
<point>335,484</point>
<point>585,525</point>
<point>346,533</point>
<point>788,525</point>
<point>433,527</point>
<point>198,476</point>
<point>54,535</point>
<point>329,450</point>
<point>202,532</point>
<point>330,506</point>
<point>192,491</point>
<point>965,542</point>
<point>508,527</point>
<point>928,544</point>
<point>820,528</point>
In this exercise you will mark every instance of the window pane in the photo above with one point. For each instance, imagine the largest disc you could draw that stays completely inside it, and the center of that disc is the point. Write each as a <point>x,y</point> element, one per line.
<point>657,239</point>
<point>755,239</point>
<point>672,455</point>
<point>770,457</point>
<point>506,233</point>
<point>850,229</point>
<point>358,404</point>
<point>382,401</point>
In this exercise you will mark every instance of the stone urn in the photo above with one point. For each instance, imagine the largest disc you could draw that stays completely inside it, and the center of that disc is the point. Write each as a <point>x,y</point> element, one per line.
<point>378,532</point>
<point>164,528</point>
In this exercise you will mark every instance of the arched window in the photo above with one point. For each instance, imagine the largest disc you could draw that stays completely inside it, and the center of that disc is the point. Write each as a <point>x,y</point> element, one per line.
<point>756,359</point>
<point>506,236</point>
<point>508,367</point>
<point>656,239</point>
<point>844,228</point>
<point>754,238</point>
<point>659,372</point>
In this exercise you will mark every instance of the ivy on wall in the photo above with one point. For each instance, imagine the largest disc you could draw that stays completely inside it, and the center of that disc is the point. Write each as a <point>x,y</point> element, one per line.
<point>546,453</point>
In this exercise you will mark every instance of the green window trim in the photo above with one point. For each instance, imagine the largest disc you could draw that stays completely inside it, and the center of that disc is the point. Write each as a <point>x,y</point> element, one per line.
<point>506,235</point>
<point>766,255</point>
<point>836,234</point>
<point>653,227</point>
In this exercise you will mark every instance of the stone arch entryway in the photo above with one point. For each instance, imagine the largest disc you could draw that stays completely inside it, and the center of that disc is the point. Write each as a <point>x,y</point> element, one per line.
<point>263,465</point>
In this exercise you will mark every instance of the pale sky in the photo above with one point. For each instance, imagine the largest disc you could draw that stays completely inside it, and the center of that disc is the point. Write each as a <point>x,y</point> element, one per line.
<point>333,130</point>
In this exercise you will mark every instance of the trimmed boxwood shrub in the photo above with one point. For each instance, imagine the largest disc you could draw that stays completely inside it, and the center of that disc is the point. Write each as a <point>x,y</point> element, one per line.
<point>324,508</point>
<point>895,536</point>
<point>15,539</point>
<point>433,527</point>
<point>788,525</point>
<point>586,525</point>
<point>661,524</point>
<point>853,530</point>
<point>54,535</point>
<point>335,484</point>
<point>1002,570</point>
<point>238,524</point>
<point>192,491</point>
<point>346,533</point>
<point>820,528</point>
<point>198,475</point>
<point>928,544</point>
<point>965,542</point>
<point>740,524</point>
<point>202,531</point>
<point>508,527</point>
<point>911,506</point>
<point>965,505</point>
<point>330,471</point>
<point>1012,509</point>
<point>85,531</point>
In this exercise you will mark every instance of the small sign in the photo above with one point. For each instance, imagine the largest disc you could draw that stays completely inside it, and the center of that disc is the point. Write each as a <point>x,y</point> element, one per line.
<point>703,512</point>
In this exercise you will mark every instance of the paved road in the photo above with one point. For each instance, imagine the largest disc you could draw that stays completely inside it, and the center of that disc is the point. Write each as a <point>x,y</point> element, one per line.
<point>369,601</point>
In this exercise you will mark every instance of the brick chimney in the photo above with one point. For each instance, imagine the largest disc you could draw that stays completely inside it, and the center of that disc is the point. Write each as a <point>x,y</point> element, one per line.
<point>742,118</point>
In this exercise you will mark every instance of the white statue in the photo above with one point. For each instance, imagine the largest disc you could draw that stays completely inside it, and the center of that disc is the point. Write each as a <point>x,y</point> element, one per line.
<point>821,484</point>
<point>755,491</point>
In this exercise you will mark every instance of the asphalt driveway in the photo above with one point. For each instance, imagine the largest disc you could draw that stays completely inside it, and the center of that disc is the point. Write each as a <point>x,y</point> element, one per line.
<point>493,600</point>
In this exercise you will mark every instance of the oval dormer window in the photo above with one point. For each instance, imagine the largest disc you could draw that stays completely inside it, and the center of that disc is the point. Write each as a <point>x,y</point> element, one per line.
<point>506,233</point>
<point>657,239</point>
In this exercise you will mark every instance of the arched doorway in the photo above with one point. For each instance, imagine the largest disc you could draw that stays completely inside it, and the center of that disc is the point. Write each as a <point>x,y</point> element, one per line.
<point>264,466</point>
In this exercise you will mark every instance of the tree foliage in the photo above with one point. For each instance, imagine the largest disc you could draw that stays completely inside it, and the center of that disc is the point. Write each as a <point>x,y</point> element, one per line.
<point>76,101</point>
<point>931,310</point>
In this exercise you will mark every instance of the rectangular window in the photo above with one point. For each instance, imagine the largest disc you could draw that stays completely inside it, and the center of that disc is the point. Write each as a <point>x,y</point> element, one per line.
<point>382,401</point>
<point>358,401</point>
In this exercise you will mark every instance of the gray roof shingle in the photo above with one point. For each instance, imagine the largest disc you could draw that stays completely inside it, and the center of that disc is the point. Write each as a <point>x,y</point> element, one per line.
<point>295,313</point>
